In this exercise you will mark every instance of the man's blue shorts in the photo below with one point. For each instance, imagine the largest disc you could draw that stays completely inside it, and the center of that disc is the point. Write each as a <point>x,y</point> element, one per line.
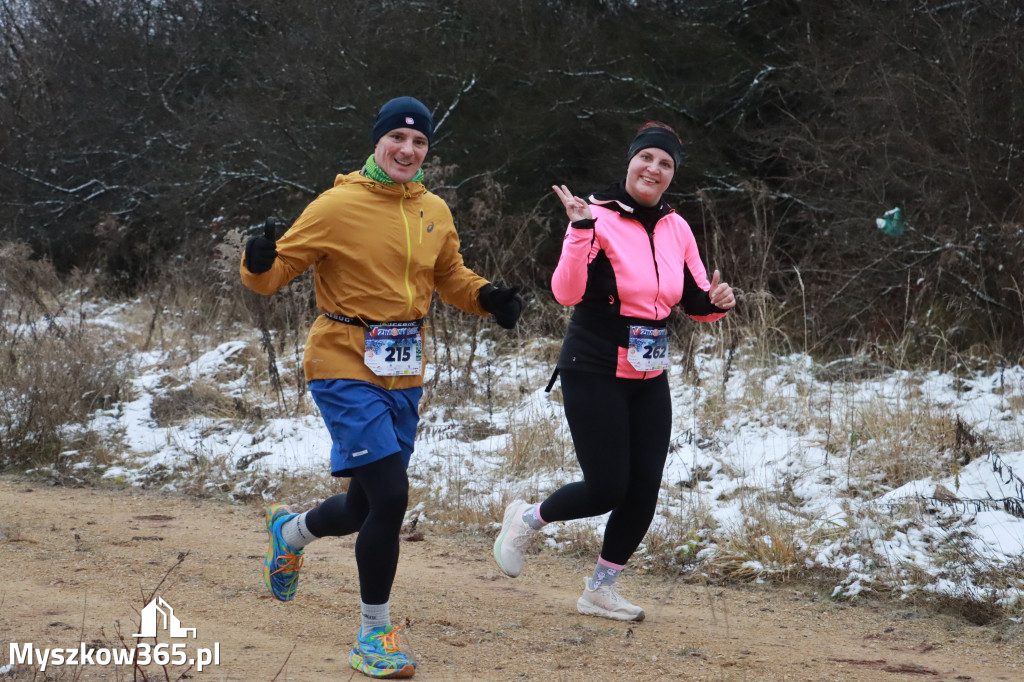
<point>366,422</point>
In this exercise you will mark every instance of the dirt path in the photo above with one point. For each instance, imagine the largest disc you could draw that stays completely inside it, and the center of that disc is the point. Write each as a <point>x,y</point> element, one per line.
<point>77,563</point>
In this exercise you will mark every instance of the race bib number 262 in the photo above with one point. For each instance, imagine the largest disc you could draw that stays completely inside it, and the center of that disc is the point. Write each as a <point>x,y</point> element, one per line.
<point>648,348</point>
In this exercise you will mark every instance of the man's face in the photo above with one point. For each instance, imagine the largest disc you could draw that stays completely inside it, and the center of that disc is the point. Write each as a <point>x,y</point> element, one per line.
<point>400,153</point>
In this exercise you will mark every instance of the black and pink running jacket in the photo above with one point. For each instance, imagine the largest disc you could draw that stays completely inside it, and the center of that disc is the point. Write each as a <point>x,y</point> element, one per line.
<point>628,265</point>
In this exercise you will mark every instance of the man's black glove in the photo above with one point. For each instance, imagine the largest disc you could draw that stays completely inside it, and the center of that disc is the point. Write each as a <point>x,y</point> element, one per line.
<point>260,251</point>
<point>504,303</point>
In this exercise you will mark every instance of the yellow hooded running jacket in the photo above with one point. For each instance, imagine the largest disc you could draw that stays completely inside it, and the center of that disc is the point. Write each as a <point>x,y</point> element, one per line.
<point>378,253</point>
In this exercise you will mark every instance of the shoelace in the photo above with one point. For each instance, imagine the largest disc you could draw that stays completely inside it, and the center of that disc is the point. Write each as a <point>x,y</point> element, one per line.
<point>523,541</point>
<point>389,639</point>
<point>292,562</point>
<point>616,599</point>
<point>611,596</point>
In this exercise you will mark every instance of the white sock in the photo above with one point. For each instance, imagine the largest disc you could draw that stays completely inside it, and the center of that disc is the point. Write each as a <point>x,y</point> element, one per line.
<point>374,616</point>
<point>295,532</point>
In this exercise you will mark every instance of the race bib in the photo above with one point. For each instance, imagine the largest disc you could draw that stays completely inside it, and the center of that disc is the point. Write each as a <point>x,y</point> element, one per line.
<point>394,349</point>
<point>648,348</point>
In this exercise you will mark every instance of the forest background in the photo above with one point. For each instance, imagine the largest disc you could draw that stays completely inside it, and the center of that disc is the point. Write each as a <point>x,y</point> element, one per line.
<point>136,134</point>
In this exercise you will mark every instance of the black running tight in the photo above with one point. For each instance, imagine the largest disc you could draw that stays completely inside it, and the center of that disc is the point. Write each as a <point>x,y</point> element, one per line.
<point>620,429</point>
<point>375,507</point>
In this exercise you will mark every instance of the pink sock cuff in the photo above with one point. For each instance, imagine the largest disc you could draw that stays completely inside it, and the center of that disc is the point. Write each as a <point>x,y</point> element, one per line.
<point>604,562</point>
<point>536,511</point>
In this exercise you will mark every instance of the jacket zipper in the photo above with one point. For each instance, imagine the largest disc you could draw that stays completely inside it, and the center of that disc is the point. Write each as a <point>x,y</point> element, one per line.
<point>657,275</point>
<point>654,258</point>
<point>408,257</point>
<point>408,250</point>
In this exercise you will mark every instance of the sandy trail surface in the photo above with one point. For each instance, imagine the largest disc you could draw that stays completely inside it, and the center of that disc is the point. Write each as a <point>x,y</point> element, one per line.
<point>81,563</point>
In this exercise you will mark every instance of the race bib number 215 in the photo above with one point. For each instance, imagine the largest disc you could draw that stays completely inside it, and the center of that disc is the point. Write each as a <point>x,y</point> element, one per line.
<point>393,349</point>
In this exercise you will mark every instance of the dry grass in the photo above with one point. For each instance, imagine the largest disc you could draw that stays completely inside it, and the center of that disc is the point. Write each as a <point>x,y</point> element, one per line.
<point>683,526</point>
<point>576,539</point>
<point>894,443</point>
<point>199,398</point>
<point>768,545</point>
<point>536,441</point>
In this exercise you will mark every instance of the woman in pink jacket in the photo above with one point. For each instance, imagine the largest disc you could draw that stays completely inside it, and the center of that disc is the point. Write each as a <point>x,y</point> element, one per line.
<point>627,260</point>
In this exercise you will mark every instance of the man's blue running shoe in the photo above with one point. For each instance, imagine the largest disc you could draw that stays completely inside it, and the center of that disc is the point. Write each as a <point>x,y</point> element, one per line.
<point>380,654</point>
<point>282,565</point>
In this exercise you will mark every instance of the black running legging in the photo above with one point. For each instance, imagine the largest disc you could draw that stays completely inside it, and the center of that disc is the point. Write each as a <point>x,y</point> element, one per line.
<point>620,429</point>
<point>375,507</point>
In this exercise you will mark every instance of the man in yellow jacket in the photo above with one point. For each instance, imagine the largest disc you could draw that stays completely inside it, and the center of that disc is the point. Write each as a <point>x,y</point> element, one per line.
<point>379,244</point>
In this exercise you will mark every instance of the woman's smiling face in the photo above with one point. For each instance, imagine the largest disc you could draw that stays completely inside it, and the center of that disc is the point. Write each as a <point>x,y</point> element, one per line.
<point>648,175</point>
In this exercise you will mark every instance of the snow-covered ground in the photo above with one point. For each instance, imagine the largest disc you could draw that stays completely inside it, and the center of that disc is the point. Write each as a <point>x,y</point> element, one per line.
<point>782,449</point>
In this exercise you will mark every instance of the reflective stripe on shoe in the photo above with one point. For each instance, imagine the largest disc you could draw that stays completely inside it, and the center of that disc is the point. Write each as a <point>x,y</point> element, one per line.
<point>606,602</point>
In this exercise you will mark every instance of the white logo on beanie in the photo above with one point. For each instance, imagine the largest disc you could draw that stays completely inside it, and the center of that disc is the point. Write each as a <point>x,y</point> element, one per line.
<point>409,121</point>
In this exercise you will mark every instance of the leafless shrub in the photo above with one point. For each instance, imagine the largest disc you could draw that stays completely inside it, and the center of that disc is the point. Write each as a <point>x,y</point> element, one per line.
<point>55,370</point>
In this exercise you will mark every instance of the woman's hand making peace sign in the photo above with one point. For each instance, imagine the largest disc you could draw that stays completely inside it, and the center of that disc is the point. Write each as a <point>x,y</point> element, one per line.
<point>575,208</point>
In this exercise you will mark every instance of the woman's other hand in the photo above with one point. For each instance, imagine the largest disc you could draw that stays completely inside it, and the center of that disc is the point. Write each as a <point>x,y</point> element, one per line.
<point>721,293</point>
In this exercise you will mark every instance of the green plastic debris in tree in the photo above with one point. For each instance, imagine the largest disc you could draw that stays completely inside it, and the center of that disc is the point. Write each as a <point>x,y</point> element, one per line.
<point>891,222</point>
